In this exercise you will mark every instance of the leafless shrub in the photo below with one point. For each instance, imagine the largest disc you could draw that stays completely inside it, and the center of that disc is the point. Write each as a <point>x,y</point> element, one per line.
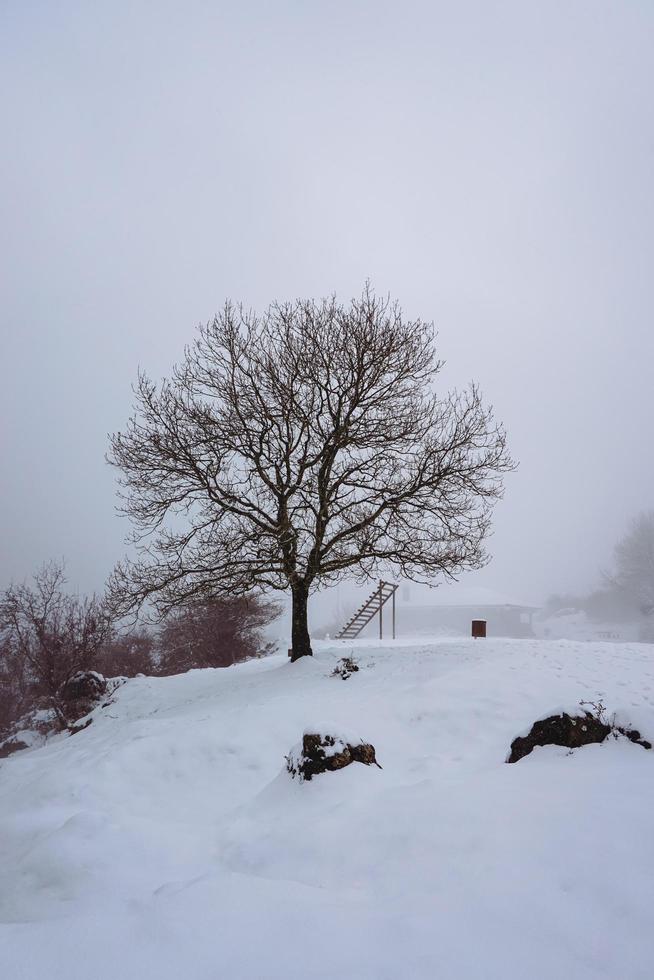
<point>345,667</point>
<point>598,711</point>
<point>128,654</point>
<point>214,634</point>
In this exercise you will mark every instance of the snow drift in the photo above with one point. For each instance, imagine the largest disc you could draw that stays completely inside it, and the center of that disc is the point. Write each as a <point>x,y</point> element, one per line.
<point>167,839</point>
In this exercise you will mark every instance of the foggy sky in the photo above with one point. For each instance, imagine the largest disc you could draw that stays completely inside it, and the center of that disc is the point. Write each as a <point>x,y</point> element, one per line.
<point>488,164</point>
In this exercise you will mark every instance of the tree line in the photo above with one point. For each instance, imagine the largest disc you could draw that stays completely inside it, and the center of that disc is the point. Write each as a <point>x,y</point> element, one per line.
<point>626,591</point>
<point>47,635</point>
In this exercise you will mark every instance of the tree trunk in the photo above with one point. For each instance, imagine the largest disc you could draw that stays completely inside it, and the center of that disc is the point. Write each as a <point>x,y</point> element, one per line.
<point>300,639</point>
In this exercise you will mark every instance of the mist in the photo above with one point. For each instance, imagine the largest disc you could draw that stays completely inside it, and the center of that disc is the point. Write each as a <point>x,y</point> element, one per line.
<point>487,164</point>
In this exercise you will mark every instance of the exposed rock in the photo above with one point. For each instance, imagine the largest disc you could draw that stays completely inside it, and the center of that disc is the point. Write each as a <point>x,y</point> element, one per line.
<point>81,693</point>
<point>326,753</point>
<point>43,720</point>
<point>365,753</point>
<point>634,736</point>
<point>84,685</point>
<point>10,746</point>
<point>571,732</point>
<point>74,729</point>
<point>32,729</point>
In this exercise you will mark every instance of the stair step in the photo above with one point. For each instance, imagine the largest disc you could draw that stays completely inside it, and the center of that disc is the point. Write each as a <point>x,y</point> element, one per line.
<point>367,611</point>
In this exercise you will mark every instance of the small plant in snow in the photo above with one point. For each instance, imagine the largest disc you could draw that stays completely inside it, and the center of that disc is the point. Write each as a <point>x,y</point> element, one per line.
<point>598,711</point>
<point>345,667</point>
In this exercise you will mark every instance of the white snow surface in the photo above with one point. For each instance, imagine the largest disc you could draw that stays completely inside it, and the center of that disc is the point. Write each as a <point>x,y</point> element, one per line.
<point>167,841</point>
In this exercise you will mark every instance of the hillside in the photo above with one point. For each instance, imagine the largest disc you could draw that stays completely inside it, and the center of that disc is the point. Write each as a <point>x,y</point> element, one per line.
<point>168,841</point>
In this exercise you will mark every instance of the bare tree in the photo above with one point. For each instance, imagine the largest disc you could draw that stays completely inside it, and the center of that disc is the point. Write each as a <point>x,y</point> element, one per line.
<point>298,447</point>
<point>217,633</point>
<point>15,685</point>
<point>49,633</point>
<point>633,571</point>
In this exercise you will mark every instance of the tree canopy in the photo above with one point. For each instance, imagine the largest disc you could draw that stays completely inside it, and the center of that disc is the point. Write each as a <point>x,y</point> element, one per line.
<point>293,448</point>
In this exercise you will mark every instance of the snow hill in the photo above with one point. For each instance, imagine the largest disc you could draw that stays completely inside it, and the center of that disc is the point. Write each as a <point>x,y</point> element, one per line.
<point>167,841</point>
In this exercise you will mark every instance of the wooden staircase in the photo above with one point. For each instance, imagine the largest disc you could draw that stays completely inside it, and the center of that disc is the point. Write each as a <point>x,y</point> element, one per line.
<point>372,607</point>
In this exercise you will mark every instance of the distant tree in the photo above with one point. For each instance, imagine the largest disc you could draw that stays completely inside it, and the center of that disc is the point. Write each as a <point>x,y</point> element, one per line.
<point>563,602</point>
<point>15,685</point>
<point>48,634</point>
<point>128,654</point>
<point>606,603</point>
<point>633,566</point>
<point>299,447</point>
<point>610,603</point>
<point>214,634</point>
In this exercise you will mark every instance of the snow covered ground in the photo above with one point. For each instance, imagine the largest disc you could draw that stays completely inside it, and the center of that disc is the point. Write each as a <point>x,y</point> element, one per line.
<point>167,841</point>
<point>575,624</point>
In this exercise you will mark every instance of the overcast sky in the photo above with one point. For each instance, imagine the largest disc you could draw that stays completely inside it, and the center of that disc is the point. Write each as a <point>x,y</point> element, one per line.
<point>489,164</point>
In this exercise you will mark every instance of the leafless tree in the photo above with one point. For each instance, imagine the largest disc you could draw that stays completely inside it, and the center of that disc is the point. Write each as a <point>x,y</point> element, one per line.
<point>217,633</point>
<point>50,633</point>
<point>633,572</point>
<point>15,685</point>
<point>298,447</point>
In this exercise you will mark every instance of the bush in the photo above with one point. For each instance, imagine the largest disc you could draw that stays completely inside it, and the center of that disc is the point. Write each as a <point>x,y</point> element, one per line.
<point>15,686</point>
<point>46,636</point>
<point>215,634</point>
<point>128,654</point>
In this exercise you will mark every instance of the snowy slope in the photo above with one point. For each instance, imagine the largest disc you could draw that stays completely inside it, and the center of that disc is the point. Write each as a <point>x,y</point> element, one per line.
<point>166,841</point>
